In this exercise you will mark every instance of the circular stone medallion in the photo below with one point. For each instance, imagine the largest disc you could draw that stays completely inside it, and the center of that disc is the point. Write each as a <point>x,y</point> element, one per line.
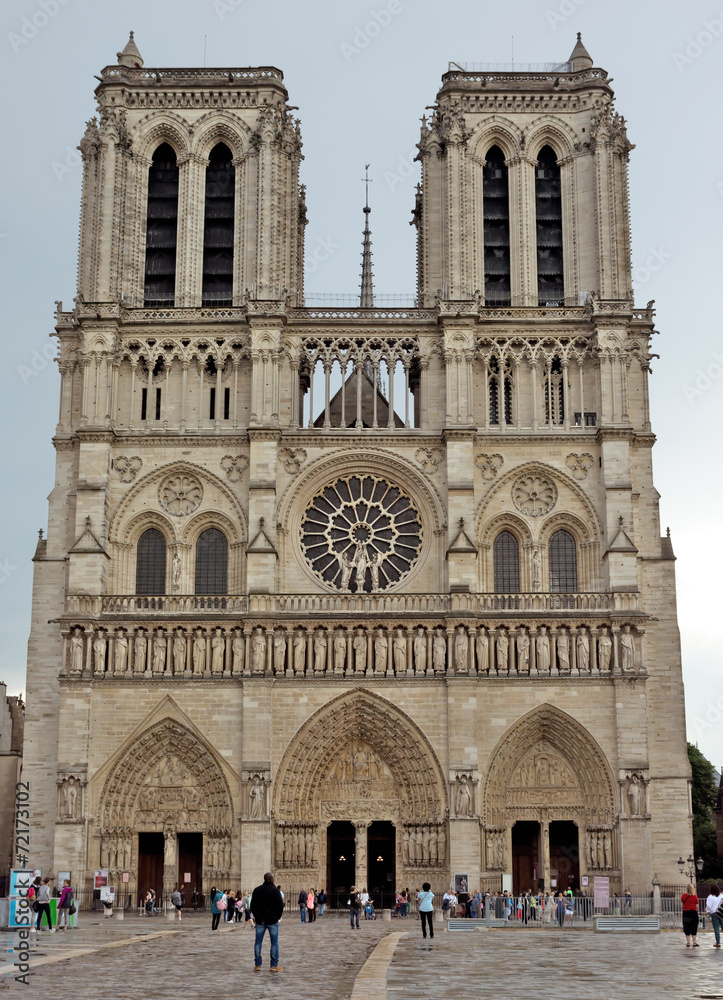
<point>180,495</point>
<point>361,534</point>
<point>534,495</point>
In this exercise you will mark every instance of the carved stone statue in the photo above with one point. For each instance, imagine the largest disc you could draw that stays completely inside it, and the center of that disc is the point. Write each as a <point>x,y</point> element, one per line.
<point>464,796</point>
<point>279,652</point>
<point>159,652</point>
<point>140,652</point>
<point>179,652</point>
<point>461,645</point>
<point>563,653</point>
<point>441,846</point>
<point>76,652</point>
<point>347,567</point>
<point>199,652</point>
<point>257,794</point>
<point>523,653</point>
<point>483,653</point>
<point>176,573</point>
<point>543,652</point>
<point>258,652</point>
<point>279,847</point>
<point>583,652</point>
<point>420,652</point>
<point>70,798</point>
<point>381,647</point>
<point>627,650</point>
<point>607,849</point>
<point>405,846</point>
<point>361,562</point>
<point>503,651</point>
<point>399,652</point>
<point>439,653</point>
<point>299,652</point>
<point>536,569</point>
<point>339,653</point>
<point>319,653</point>
<point>604,647</point>
<point>120,657</point>
<point>237,653</point>
<point>360,653</point>
<point>99,646</point>
<point>218,650</point>
<point>635,795</point>
<point>599,858</point>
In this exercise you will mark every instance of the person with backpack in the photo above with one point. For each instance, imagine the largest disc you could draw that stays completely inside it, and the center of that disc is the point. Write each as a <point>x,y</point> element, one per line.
<point>354,907</point>
<point>426,909</point>
<point>43,898</point>
<point>218,905</point>
<point>321,900</point>
<point>66,909</point>
<point>303,896</point>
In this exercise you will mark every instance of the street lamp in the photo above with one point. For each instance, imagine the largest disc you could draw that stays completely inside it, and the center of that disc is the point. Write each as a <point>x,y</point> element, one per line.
<point>690,871</point>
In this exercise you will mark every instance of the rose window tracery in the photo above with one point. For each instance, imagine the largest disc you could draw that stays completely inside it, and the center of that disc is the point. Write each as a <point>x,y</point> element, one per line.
<point>180,495</point>
<point>534,495</point>
<point>361,534</point>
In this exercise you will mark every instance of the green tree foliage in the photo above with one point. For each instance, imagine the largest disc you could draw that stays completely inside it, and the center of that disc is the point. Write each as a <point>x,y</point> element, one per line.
<point>704,792</point>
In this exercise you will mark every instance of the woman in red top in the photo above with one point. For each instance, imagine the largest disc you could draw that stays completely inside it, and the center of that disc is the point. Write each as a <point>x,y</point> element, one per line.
<point>690,915</point>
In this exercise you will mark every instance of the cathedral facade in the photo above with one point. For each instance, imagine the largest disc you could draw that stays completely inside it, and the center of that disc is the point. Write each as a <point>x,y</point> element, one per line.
<point>369,595</point>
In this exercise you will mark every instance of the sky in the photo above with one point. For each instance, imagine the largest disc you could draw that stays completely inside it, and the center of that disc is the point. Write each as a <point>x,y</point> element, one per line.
<point>362,73</point>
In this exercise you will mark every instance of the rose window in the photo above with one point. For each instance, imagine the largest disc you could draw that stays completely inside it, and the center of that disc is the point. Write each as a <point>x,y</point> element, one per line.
<point>534,495</point>
<point>180,495</point>
<point>361,534</point>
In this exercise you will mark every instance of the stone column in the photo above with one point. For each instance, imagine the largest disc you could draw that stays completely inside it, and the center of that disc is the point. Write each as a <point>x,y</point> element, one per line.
<point>545,852</point>
<point>361,867</point>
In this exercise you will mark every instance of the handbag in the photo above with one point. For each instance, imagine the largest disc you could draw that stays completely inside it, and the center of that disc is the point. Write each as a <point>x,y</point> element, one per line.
<point>221,904</point>
<point>35,906</point>
<point>72,911</point>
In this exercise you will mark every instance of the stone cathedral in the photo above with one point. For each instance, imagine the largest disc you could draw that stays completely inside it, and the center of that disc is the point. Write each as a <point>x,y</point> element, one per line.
<point>357,594</point>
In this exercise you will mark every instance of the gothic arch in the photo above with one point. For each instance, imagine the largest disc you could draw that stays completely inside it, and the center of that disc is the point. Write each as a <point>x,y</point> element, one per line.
<point>325,735</point>
<point>549,131</point>
<point>155,129</point>
<point>215,127</point>
<point>496,131</point>
<point>585,792</point>
<point>166,772</point>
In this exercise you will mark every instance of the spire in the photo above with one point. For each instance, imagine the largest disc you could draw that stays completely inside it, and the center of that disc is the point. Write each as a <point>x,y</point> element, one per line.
<point>366,299</point>
<point>580,57</point>
<point>130,56</point>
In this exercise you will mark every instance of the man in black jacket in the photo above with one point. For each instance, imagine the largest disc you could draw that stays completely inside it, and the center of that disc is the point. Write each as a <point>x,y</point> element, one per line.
<point>267,905</point>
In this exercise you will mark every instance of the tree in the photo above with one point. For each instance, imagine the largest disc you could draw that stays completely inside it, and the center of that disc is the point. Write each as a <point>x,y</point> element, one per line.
<point>704,794</point>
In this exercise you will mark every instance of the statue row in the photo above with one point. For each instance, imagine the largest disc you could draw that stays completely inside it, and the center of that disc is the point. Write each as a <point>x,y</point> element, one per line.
<point>599,850</point>
<point>424,845</point>
<point>379,652</point>
<point>296,846</point>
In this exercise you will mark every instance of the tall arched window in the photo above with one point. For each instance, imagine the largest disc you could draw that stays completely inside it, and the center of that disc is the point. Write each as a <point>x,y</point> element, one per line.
<point>563,563</point>
<point>212,562</point>
<point>548,203</point>
<point>555,393</point>
<point>506,553</point>
<point>151,563</point>
<point>495,197</point>
<point>218,229</point>
<point>499,381</point>
<point>161,228</point>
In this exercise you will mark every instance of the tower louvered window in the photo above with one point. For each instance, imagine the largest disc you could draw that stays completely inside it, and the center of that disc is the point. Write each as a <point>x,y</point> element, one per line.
<point>495,196</point>
<point>506,553</point>
<point>212,562</point>
<point>151,563</point>
<point>161,228</point>
<point>563,563</point>
<point>548,203</point>
<point>555,393</point>
<point>219,229</point>
<point>500,391</point>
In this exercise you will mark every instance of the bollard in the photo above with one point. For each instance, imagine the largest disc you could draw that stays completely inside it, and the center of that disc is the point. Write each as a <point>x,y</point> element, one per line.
<point>119,915</point>
<point>387,915</point>
<point>438,917</point>
<point>170,911</point>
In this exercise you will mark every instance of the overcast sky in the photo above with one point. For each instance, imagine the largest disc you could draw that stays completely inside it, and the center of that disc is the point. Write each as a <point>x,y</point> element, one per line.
<point>362,73</point>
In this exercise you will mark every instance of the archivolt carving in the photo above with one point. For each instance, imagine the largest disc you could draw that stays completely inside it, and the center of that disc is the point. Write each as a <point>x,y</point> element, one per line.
<point>157,128</point>
<point>348,736</point>
<point>217,126</point>
<point>548,760</point>
<point>166,775</point>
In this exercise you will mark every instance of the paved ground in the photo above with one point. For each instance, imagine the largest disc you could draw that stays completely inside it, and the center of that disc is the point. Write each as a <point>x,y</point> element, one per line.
<point>564,965</point>
<point>320,960</point>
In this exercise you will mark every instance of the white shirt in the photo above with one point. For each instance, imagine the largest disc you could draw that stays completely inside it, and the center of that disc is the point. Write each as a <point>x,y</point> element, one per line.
<point>712,903</point>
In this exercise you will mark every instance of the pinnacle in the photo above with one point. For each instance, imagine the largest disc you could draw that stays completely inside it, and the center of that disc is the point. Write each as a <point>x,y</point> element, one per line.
<point>130,56</point>
<point>580,57</point>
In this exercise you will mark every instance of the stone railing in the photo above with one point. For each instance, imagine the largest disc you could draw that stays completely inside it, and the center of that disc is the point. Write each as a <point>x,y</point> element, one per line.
<point>171,605</point>
<point>310,648</point>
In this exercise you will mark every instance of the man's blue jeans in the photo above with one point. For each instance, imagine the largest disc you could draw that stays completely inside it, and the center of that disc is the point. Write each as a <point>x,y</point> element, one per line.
<point>302,911</point>
<point>354,915</point>
<point>273,930</point>
<point>716,921</point>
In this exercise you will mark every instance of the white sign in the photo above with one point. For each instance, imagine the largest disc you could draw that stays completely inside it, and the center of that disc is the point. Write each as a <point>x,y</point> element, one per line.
<point>601,891</point>
<point>584,880</point>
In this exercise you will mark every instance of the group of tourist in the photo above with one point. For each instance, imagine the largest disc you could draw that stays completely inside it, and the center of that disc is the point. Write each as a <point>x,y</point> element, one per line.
<point>311,903</point>
<point>39,900</point>
<point>713,909</point>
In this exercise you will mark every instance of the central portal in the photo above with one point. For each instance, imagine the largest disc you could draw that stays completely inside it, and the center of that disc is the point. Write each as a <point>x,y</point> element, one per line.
<point>340,861</point>
<point>382,855</point>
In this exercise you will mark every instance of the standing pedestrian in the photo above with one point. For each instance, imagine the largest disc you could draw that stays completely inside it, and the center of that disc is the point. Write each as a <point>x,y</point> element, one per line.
<point>218,904</point>
<point>321,900</point>
<point>714,906</point>
<point>560,910</point>
<point>267,907</point>
<point>303,896</point>
<point>354,907</point>
<point>43,900</point>
<point>426,909</point>
<point>311,905</point>
<point>690,915</point>
<point>64,904</point>
<point>194,897</point>
<point>177,901</point>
